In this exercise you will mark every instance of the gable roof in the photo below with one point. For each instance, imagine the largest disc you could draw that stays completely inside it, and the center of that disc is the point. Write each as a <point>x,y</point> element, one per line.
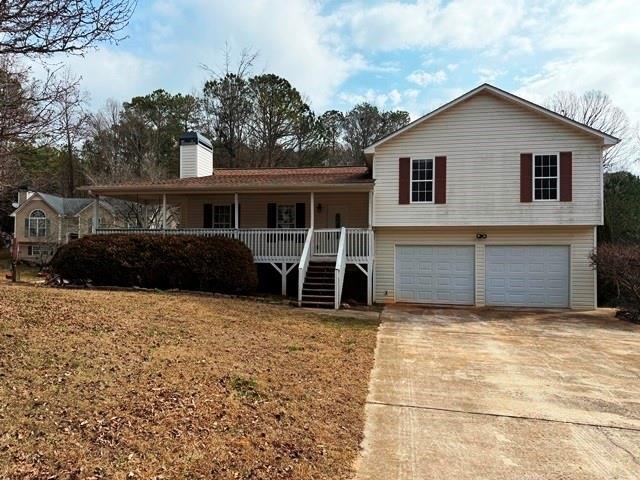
<point>607,140</point>
<point>251,178</point>
<point>61,205</point>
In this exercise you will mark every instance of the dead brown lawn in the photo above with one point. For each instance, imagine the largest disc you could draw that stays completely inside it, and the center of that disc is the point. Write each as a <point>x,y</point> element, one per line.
<point>97,384</point>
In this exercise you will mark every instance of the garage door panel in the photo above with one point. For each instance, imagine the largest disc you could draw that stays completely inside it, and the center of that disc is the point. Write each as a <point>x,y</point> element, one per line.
<point>527,276</point>
<point>435,274</point>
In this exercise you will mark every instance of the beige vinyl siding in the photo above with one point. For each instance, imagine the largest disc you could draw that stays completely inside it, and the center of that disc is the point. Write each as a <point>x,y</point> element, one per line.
<point>356,206</point>
<point>81,221</point>
<point>580,239</point>
<point>188,161</point>
<point>482,139</point>
<point>195,161</point>
<point>253,207</point>
<point>37,204</point>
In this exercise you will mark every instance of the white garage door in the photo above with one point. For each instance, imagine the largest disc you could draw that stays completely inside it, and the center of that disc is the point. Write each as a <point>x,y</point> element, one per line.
<point>435,274</point>
<point>527,276</point>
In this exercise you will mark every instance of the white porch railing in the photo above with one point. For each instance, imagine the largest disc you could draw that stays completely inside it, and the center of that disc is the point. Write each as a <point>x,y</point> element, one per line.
<point>266,244</point>
<point>276,245</point>
<point>325,242</point>
<point>341,266</point>
<point>359,245</point>
<point>305,258</point>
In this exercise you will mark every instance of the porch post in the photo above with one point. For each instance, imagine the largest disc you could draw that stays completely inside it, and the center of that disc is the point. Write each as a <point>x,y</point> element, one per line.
<point>235,206</point>
<point>312,204</point>
<point>164,211</point>
<point>284,279</point>
<point>370,208</point>
<point>94,223</point>
<point>370,283</point>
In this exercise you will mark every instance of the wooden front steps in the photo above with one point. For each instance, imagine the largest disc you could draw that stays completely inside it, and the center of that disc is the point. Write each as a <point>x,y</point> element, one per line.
<point>319,285</point>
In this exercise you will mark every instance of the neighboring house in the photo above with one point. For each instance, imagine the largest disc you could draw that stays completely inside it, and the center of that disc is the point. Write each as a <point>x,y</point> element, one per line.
<point>44,221</point>
<point>488,200</point>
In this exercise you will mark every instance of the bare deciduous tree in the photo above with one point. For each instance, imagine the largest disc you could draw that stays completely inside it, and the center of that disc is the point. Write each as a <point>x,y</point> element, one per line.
<point>595,109</point>
<point>28,115</point>
<point>71,126</point>
<point>39,28</point>
<point>27,106</point>
<point>226,105</point>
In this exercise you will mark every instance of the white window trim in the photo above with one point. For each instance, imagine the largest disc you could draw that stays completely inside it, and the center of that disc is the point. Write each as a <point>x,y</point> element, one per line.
<point>533,177</point>
<point>37,220</point>
<point>433,179</point>
<point>213,215</point>
<point>43,250</point>
<point>295,220</point>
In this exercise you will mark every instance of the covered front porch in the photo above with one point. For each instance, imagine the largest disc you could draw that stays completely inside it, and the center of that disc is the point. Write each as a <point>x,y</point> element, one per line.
<point>315,233</point>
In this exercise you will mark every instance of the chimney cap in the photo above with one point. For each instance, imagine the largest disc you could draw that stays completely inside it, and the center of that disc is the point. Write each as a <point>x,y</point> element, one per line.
<point>194,138</point>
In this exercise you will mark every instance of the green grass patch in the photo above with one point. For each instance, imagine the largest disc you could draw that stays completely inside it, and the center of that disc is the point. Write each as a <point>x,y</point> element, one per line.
<point>245,387</point>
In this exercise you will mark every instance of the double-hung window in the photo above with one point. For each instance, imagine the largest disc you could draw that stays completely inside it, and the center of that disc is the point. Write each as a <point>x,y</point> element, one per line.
<point>222,216</point>
<point>545,177</point>
<point>38,250</point>
<point>37,224</point>
<point>286,216</point>
<point>422,180</point>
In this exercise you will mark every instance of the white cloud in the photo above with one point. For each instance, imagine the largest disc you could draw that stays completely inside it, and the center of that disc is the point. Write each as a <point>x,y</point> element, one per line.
<point>488,74</point>
<point>388,100</point>
<point>468,24</point>
<point>109,73</point>
<point>595,46</point>
<point>452,67</point>
<point>422,78</point>
<point>172,38</point>
<point>395,97</point>
<point>293,39</point>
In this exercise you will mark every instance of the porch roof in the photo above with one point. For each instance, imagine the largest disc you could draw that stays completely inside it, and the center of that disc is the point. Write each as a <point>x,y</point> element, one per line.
<point>252,179</point>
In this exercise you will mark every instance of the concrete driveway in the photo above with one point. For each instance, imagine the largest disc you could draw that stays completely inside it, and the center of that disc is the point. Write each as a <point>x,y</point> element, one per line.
<point>490,394</point>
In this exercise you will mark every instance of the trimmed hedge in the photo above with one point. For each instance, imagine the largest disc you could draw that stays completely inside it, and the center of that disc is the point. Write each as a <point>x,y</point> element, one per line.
<point>213,264</point>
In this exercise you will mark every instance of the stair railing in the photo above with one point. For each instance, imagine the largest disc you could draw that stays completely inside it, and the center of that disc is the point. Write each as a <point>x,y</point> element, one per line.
<point>304,263</point>
<point>341,266</point>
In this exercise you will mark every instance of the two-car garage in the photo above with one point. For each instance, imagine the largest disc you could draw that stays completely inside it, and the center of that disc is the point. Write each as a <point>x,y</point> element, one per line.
<point>514,275</point>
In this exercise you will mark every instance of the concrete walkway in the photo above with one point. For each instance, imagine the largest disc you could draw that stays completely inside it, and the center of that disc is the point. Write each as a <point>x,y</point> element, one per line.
<point>490,394</point>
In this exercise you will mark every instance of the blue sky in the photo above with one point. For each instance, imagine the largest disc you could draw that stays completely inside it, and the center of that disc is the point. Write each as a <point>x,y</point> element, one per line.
<point>413,55</point>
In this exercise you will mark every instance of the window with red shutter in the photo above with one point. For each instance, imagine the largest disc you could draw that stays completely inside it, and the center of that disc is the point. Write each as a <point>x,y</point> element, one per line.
<point>404,178</point>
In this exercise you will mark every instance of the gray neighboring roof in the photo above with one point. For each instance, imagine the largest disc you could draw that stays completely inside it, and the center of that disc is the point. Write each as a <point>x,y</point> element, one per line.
<point>54,201</point>
<point>66,206</point>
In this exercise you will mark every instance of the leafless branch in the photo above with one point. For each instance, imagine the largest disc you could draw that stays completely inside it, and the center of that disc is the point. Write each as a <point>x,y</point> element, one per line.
<point>40,28</point>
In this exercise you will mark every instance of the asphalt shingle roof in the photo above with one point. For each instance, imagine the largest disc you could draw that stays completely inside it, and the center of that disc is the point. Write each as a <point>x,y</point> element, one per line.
<point>266,176</point>
<point>65,206</point>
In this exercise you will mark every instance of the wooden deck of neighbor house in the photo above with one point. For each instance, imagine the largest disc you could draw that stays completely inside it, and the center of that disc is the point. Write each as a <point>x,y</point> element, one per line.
<point>321,255</point>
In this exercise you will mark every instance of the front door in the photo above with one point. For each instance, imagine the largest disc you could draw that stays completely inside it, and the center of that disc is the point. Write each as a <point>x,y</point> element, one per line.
<point>337,216</point>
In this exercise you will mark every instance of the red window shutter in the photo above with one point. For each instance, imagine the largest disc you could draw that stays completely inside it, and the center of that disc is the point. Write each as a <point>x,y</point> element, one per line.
<point>566,176</point>
<point>441,180</point>
<point>526,182</point>
<point>404,180</point>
